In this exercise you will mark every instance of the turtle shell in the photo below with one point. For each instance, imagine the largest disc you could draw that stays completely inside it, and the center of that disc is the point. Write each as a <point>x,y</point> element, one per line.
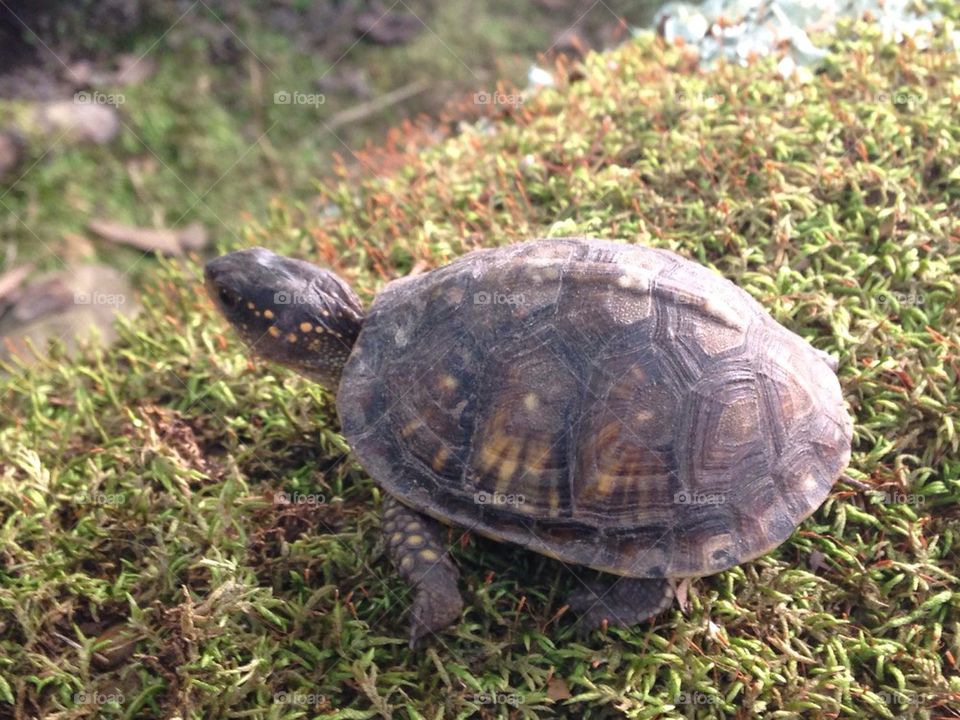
<point>609,405</point>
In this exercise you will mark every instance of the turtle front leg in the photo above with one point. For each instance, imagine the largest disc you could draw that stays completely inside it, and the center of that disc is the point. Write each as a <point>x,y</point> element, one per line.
<point>415,545</point>
<point>621,601</point>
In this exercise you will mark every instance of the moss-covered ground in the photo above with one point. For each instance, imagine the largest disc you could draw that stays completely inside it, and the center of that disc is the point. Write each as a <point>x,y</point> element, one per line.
<point>139,485</point>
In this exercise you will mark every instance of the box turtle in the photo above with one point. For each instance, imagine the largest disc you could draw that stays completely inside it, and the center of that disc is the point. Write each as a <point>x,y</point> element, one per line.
<point>608,405</point>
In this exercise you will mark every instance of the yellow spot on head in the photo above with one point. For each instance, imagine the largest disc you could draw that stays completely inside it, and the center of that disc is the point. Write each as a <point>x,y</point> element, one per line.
<point>268,314</point>
<point>305,327</point>
<point>448,382</point>
<point>274,332</point>
<point>250,306</point>
<point>291,337</point>
<point>531,402</point>
<point>318,329</point>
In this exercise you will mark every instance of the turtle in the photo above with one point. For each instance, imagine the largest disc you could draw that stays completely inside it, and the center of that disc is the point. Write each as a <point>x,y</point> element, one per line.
<point>616,407</point>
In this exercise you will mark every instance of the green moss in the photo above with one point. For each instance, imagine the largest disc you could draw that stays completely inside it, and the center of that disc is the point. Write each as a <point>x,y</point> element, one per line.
<point>138,484</point>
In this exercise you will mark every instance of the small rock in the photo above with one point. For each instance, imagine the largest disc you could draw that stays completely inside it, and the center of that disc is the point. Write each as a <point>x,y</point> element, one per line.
<point>80,122</point>
<point>67,305</point>
<point>539,77</point>
<point>117,645</point>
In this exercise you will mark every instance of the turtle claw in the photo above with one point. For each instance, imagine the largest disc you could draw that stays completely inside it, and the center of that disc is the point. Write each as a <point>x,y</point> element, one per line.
<point>432,611</point>
<point>621,603</point>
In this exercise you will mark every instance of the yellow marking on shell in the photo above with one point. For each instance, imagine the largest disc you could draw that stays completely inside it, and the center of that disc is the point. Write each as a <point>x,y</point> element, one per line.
<point>536,456</point>
<point>429,555</point>
<point>413,526</point>
<point>509,465</point>
<point>325,313</point>
<point>643,416</point>
<point>605,483</point>
<point>274,331</point>
<point>396,538</point>
<point>440,459</point>
<point>319,329</point>
<point>633,281</point>
<point>414,541</point>
<point>724,314</point>
<point>809,483</point>
<point>493,450</point>
<point>305,327</point>
<point>406,562</point>
<point>448,382</point>
<point>251,306</point>
<point>291,337</point>
<point>268,314</point>
<point>411,427</point>
<point>531,402</point>
<point>256,313</point>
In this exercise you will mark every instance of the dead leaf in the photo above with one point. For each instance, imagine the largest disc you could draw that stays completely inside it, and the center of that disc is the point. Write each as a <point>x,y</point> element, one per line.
<point>164,241</point>
<point>557,689</point>
<point>681,592</point>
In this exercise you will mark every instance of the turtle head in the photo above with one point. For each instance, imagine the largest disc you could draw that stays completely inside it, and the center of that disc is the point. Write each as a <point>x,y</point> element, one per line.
<point>287,310</point>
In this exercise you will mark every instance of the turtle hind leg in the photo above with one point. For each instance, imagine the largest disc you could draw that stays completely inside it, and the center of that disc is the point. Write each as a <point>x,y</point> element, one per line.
<point>621,601</point>
<point>415,545</point>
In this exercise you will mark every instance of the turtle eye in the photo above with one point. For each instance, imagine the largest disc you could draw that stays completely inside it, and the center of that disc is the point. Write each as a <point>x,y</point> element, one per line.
<point>229,298</point>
